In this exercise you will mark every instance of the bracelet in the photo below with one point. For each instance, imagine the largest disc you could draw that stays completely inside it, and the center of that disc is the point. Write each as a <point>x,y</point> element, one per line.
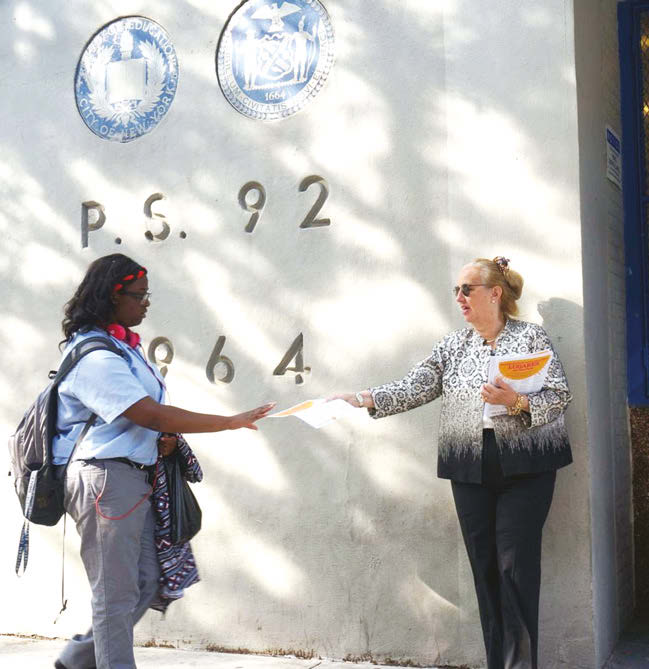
<point>360,399</point>
<point>518,406</point>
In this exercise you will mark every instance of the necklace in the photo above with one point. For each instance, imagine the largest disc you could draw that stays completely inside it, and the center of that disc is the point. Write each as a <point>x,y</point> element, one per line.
<point>491,341</point>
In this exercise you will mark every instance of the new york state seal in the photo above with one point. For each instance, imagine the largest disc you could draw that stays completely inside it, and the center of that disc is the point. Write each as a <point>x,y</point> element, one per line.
<point>126,79</point>
<point>274,57</point>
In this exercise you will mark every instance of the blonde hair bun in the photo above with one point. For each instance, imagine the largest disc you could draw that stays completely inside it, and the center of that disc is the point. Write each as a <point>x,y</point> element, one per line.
<point>497,272</point>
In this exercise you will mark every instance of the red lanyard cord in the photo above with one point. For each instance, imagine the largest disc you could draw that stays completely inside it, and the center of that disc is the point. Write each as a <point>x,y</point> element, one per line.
<point>130,511</point>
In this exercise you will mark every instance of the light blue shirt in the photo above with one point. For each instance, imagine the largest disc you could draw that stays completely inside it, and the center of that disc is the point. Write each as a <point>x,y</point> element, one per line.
<point>106,384</point>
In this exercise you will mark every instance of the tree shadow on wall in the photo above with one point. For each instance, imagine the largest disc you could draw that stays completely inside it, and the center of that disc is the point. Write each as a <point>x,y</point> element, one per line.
<point>359,550</point>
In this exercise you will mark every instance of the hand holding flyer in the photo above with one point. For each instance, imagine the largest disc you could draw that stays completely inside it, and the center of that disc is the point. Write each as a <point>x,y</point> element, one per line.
<point>316,413</point>
<point>525,373</point>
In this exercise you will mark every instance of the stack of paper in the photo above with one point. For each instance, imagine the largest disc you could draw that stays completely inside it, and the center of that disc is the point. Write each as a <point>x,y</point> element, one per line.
<point>524,373</point>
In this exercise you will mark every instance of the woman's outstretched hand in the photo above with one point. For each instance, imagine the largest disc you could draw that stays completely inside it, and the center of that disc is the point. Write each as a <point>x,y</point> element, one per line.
<point>248,419</point>
<point>350,398</point>
<point>353,399</point>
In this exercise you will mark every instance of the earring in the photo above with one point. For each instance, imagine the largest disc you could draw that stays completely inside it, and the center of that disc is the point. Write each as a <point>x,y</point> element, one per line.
<point>493,301</point>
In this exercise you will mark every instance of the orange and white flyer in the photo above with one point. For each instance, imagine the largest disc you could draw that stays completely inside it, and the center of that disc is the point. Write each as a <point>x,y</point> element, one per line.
<point>316,413</point>
<point>524,373</point>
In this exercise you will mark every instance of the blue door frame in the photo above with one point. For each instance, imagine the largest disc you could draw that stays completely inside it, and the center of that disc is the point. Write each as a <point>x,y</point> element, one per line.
<point>636,197</point>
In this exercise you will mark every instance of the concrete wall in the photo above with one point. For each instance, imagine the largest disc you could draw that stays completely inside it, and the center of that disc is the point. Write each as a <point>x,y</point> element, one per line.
<point>448,130</point>
<point>604,321</point>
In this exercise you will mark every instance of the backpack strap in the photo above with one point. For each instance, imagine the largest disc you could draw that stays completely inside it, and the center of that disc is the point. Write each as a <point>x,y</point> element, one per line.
<point>81,350</point>
<point>89,423</point>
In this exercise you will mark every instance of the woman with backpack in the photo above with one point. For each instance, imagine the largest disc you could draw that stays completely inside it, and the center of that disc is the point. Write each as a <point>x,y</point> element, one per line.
<point>108,480</point>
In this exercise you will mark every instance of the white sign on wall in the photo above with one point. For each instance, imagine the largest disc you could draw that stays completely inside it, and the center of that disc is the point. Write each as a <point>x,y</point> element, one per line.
<point>613,157</point>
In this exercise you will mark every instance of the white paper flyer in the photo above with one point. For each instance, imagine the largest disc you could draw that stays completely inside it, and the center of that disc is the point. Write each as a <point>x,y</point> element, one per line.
<point>316,413</point>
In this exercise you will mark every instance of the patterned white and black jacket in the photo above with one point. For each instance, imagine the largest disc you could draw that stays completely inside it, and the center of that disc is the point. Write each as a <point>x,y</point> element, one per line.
<point>534,441</point>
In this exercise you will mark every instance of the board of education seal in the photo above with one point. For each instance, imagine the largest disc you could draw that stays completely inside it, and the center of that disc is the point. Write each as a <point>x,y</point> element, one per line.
<point>274,57</point>
<point>126,79</point>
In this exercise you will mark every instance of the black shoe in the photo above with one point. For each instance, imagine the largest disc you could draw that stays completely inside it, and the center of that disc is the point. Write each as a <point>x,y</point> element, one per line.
<point>59,665</point>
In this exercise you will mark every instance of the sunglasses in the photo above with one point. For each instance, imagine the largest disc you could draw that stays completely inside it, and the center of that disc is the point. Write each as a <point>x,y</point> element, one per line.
<point>466,288</point>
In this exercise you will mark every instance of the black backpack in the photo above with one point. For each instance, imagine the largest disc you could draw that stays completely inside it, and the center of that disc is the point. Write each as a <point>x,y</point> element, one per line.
<point>39,491</point>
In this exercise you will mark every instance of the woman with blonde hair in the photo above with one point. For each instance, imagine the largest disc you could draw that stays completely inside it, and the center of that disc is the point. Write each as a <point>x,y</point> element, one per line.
<point>502,468</point>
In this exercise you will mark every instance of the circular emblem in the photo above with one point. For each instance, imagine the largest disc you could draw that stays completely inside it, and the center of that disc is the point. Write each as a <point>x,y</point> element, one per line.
<point>126,79</point>
<point>273,57</point>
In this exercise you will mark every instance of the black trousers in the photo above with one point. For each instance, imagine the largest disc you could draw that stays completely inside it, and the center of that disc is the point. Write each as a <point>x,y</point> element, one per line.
<point>502,523</point>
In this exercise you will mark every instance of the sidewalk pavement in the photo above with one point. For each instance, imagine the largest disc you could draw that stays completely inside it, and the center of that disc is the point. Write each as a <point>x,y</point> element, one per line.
<point>17,652</point>
<point>34,653</point>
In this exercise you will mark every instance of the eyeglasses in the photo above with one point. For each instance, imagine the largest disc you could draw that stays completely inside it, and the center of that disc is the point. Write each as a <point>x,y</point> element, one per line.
<point>140,297</point>
<point>466,288</point>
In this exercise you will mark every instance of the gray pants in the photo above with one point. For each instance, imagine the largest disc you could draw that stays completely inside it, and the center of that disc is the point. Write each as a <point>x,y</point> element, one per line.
<point>119,557</point>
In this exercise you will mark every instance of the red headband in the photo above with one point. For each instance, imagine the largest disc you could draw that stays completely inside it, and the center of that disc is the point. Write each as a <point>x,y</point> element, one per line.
<point>129,277</point>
